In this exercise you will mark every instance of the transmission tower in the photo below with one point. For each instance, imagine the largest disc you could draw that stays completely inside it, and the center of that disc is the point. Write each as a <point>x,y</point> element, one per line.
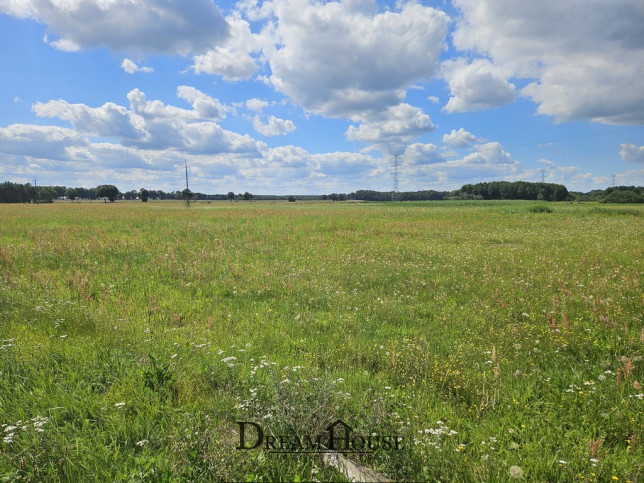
<point>396,167</point>
<point>543,175</point>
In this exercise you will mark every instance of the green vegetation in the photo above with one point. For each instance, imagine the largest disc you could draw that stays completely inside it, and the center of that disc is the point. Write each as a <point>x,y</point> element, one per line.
<point>498,342</point>
<point>107,191</point>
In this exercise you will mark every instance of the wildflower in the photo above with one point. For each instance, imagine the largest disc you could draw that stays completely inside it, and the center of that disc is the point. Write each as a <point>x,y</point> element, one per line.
<point>119,404</point>
<point>142,442</point>
<point>516,472</point>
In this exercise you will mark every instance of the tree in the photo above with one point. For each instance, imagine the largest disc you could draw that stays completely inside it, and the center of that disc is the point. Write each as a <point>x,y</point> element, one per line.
<point>231,195</point>
<point>623,196</point>
<point>46,194</point>
<point>247,196</point>
<point>186,194</point>
<point>108,191</point>
<point>144,195</point>
<point>291,199</point>
<point>71,193</point>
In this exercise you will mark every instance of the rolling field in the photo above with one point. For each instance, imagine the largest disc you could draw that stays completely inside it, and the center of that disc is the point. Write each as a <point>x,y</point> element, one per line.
<point>496,341</point>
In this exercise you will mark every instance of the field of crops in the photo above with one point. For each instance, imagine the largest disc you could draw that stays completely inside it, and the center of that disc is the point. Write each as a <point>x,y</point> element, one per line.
<point>496,340</point>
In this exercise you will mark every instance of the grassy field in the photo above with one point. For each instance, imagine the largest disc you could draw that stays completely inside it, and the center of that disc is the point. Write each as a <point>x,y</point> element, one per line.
<point>496,340</point>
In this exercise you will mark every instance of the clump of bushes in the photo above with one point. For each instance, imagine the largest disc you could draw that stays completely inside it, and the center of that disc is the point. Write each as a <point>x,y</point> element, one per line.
<point>623,196</point>
<point>541,209</point>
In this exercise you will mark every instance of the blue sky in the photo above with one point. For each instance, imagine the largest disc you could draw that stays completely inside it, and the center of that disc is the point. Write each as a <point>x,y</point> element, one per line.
<point>304,97</point>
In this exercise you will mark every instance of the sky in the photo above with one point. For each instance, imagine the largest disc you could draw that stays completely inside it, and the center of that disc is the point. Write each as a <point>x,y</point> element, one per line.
<point>312,97</point>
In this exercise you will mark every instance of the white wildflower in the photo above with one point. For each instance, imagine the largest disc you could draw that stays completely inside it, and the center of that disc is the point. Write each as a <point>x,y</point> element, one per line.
<point>516,472</point>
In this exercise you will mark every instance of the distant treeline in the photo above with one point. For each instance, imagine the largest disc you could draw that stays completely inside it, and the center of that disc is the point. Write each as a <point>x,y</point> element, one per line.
<point>517,190</point>
<point>495,190</point>
<point>614,194</point>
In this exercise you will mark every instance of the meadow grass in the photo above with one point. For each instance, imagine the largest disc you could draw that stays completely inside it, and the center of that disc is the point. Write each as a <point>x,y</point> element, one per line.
<point>489,335</point>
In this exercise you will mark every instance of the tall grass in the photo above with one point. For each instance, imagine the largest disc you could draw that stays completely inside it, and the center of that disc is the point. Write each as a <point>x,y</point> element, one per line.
<point>135,336</point>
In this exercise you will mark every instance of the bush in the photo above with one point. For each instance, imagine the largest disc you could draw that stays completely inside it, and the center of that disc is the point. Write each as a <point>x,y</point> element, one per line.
<point>625,196</point>
<point>541,209</point>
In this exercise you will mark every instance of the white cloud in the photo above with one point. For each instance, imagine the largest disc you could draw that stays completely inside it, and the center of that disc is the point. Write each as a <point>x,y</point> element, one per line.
<point>205,107</point>
<point>632,153</point>
<point>460,138</point>
<point>392,129</point>
<point>339,58</point>
<point>256,105</point>
<point>34,141</point>
<point>488,153</point>
<point>232,65</point>
<point>108,120</point>
<point>585,58</point>
<point>476,86</point>
<point>130,67</point>
<point>274,126</point>
<point>153,125</point>
<point>232,60</point>
<point>157,26</point>
<point>419,154</point>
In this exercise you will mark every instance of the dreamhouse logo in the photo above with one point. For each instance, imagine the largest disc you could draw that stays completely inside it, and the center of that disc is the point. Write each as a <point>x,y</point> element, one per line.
<point>337,437</point>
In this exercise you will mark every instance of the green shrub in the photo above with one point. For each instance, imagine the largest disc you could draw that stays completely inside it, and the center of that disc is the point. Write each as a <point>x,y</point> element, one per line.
<point>541,209</point>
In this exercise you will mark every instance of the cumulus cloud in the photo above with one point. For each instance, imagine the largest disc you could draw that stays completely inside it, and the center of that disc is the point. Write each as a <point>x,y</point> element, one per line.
<point>231,64</point>
<point>476,86</point>
<point>488,153</point>
<point>419,154</point>
<point>108,120</point>
<point>459,139</point>
<point>583,58</point>
<point>233,60</point>
<point>156,26</point>
<point>349,52</point>
<point>632,153</point>
<point>256,105</point>
<point>392,129</point>
<point>130,67</point>
<point>35,141</point>
<point>274,126</point>
<point>151,124</point>
<point>205,107</point>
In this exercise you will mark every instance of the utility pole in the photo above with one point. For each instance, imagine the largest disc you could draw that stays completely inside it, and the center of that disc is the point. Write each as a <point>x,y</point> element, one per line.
<point>35,191</point>
<point>187,188</point>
